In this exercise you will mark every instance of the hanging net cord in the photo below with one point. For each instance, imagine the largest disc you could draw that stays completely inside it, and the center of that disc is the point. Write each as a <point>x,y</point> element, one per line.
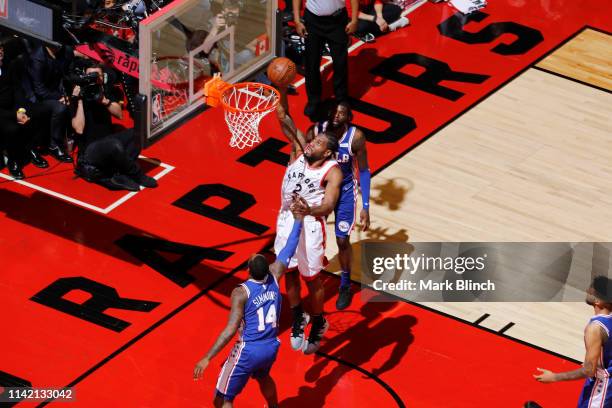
<point>245,105</point>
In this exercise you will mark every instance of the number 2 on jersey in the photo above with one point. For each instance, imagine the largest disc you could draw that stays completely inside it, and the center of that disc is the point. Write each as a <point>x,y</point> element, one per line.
<point>270,318</point>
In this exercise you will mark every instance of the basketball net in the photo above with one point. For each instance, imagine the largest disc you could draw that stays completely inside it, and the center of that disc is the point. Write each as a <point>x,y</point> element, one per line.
<point>170,80</point>
<point>244,105</point>
<point>166,96</point>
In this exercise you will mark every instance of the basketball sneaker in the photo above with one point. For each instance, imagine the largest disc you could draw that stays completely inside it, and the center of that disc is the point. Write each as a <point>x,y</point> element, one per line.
<point>317,331</point>
<point>297,331</point>
<point>344,297</point>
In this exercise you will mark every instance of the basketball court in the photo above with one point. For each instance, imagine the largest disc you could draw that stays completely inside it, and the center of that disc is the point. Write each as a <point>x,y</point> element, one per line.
<point>496,127</point>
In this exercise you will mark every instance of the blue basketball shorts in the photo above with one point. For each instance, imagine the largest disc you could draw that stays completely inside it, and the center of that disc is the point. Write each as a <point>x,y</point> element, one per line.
<point>246,360</point>
<point>346,210</point>
<point>596,393</point>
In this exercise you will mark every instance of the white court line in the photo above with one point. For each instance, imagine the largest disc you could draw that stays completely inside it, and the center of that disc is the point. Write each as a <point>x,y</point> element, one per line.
<point>359,43</point>
<point>167,169</point>
<point>53,193</point>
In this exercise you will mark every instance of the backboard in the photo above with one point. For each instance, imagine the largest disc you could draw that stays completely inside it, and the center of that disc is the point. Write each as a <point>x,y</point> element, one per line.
<point>185,43</point>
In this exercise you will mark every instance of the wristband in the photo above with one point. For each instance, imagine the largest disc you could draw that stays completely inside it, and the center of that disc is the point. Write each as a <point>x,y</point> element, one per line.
<point>364,180</point>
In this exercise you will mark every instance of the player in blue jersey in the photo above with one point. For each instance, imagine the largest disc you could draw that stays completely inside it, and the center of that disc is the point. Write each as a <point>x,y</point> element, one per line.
<point>597,367</point>
<point>352,158</point>
<point>255,312</point>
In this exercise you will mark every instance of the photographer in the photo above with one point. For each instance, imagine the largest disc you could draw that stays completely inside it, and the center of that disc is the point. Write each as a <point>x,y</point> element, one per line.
<point>106,158</point>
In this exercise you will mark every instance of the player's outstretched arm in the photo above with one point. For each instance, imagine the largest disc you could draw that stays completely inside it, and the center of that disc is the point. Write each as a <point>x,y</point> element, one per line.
<point>359,150</point>
<point>239,298</point>
<point>332,191</point>
<point>594,338</point>
<point>291,132</point>
<point>310,134</point>
<point>279,267</point>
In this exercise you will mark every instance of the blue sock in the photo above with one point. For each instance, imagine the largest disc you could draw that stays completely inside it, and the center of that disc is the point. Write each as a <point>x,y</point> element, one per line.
<point>345,279</point>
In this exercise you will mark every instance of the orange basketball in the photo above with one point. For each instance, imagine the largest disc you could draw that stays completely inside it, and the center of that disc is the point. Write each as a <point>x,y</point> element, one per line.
<point>281,71</point>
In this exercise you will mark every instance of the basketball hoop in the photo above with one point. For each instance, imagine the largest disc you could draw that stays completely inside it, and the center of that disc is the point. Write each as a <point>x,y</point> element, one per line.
<point>244,105</point>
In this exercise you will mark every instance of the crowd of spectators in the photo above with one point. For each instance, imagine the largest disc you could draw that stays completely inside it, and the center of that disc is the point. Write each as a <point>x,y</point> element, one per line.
<point>51,97</point>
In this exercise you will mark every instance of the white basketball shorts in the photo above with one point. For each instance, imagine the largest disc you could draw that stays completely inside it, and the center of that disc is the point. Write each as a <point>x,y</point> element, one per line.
<point>310,254</point>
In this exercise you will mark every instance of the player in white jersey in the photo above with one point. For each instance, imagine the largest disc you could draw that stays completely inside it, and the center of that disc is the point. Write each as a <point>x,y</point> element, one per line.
<point>315,177</point>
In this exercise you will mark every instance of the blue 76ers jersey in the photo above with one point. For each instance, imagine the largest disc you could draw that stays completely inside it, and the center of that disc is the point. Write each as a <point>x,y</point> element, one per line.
<point>597,392</point>
<point>345,210</point>
<point>605,322</point>
<point>261,311</point>
<point>345,154</point>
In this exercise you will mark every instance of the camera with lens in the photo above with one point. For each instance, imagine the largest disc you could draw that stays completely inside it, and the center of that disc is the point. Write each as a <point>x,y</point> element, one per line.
<point>92,89</point>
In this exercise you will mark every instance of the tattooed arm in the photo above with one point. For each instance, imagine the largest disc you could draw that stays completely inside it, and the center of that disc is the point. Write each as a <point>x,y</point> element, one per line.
<point>594,338</point>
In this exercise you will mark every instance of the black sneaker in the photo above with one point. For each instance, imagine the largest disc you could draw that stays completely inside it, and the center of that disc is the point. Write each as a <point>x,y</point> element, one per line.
<point>15,170</point>
<point>344,297</point>
<point>37,160</point>
<point>119,182</point>
<point>326,50</point>
<point>365,37</point>
<point>59,154</point>
<point>297,331</point>
<point>146,181</point>
<point>317,331</point>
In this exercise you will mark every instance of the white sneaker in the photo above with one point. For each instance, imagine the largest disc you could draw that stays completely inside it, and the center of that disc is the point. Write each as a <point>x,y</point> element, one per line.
<point>402,22</point>
<point>297,332</point>
<point>314,340</point>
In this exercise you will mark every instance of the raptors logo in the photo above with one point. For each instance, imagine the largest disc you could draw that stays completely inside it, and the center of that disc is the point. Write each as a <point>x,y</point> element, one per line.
<point>106,53</point>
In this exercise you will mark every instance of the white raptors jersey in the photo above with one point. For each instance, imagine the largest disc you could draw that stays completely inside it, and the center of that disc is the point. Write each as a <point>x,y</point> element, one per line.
<point>306,181</point>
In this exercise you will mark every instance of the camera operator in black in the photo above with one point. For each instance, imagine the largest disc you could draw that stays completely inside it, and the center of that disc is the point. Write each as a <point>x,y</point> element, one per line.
<point>21,124</point>
<point>104,157</point>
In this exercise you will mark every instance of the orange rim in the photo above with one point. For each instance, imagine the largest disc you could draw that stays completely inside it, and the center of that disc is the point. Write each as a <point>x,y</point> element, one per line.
<point>242,85</point>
